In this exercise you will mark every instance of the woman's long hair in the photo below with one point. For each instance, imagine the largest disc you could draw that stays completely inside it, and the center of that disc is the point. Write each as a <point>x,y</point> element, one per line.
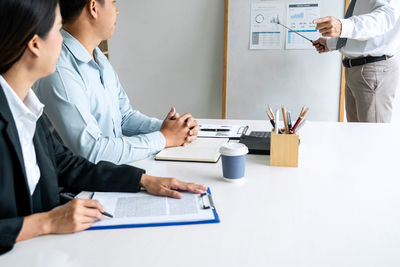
<point>20,20</point>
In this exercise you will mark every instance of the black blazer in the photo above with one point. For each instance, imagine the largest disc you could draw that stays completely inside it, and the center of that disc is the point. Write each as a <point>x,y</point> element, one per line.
<point>58,168</point>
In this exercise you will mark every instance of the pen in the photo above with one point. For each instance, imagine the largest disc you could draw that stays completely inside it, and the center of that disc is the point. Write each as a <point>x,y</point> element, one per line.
<point>289,118</point>
<point>271,120</point>
<point>296,124</point>
<point>277,121</point>
<point>301,125</point>
<point>215,130</point>
<point>68,197</point>
<point>301,118</point>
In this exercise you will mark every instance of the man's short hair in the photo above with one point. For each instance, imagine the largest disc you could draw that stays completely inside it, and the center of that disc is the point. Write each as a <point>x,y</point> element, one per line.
<point>71,9</point>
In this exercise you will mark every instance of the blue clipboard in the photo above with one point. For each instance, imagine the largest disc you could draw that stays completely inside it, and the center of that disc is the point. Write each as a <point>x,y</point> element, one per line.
<point>122,226</point>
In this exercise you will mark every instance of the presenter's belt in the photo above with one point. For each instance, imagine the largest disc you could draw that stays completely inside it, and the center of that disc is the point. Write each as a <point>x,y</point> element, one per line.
<point>349,63</point>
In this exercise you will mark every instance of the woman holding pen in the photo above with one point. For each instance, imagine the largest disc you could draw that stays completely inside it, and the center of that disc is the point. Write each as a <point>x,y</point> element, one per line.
<point>33,163</point>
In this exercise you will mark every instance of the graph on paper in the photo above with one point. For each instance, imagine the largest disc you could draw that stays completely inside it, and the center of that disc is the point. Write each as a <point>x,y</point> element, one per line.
<point>297,16</point>
<point>300,18</point>
<point>265,31</point>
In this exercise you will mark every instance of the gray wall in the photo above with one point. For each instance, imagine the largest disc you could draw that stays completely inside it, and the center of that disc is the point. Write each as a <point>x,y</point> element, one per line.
<point>276,77</point>
<point>170,53</point>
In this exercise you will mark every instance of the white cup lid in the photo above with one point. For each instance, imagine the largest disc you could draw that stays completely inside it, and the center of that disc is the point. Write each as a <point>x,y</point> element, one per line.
<point>233,149</point>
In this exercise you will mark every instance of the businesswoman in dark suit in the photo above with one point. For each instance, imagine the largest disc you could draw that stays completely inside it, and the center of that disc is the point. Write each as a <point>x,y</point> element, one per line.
<point>33,163</point>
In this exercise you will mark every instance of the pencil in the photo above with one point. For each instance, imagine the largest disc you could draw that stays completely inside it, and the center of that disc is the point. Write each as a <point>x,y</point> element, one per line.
<point>304,113</point>
<point>270,110</point>
<point>285,121</point>
<point>302,110</point>
<point>269,116</point>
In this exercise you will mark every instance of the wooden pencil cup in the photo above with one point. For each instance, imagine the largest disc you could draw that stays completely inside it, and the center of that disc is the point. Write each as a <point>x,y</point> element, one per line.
<point>284,150</point>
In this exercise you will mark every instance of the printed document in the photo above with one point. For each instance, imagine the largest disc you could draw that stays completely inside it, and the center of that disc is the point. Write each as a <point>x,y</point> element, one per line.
<point>265,32</point>
<point>300,15</point>
<point>143,208</point>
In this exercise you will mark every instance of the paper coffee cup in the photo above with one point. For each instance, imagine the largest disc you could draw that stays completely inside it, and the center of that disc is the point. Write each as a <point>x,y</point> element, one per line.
<point>233,157</point>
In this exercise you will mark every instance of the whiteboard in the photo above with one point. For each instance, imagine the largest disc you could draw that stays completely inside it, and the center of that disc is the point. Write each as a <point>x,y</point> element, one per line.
<point>292,78</point>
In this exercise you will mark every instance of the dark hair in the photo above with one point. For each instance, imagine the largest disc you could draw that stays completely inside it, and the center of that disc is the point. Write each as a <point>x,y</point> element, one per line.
<point>71,9</point>
<point>20,20</point>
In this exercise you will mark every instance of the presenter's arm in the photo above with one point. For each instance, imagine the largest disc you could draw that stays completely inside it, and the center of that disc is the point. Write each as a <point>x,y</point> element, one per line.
<point>378,22</point>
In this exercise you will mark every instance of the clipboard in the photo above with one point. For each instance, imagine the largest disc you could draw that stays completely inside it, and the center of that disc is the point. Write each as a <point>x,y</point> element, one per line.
<point>205,200</point>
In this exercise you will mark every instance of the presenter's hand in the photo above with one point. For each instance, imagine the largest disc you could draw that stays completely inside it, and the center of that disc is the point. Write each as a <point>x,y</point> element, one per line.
<point>329,26</point>
<point>169,186</point>
<point>321,45</point>
<point>74,216</point>
<point>175,129</point>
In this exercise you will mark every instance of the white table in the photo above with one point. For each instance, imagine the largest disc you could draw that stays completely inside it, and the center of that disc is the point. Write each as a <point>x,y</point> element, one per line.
<point>341,207</point>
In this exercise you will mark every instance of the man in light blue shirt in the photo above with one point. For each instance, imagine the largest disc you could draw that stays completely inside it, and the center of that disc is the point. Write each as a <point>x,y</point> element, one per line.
<point>86,103</point>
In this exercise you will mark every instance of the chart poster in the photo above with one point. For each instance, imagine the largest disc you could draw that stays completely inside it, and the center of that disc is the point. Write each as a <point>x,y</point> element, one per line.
<point>300,16</point>
<point>265,32</point>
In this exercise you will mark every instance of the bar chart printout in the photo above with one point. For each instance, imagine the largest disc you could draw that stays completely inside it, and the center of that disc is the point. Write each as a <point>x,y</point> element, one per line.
<point>299,18</point>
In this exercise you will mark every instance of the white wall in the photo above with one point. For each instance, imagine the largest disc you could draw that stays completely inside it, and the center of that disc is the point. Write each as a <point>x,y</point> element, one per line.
<point>171,53</point>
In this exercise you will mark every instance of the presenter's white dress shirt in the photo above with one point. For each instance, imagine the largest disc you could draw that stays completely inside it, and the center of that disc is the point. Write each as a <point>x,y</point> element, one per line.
<point>373,30</point>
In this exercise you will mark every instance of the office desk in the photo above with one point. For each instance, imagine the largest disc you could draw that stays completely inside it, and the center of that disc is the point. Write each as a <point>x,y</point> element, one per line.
<point>341,207</point>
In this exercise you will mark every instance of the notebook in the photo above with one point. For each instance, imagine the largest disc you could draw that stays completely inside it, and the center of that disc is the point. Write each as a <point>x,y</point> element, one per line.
<point>201,150</point>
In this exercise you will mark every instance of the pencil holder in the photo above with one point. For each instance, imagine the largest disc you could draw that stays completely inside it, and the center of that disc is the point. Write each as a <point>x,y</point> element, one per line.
<point>284,150</point>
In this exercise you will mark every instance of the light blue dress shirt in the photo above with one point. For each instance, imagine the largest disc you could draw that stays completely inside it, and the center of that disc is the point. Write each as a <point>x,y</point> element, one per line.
<point>90,110</point>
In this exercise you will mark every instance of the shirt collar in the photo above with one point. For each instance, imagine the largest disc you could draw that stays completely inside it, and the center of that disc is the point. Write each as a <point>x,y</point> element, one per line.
<point>101,59</point>
<point>76,48</point>
<point>31,107</point>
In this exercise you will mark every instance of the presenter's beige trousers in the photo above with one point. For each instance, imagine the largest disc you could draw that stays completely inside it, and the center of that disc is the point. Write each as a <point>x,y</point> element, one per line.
<point>370,91</point>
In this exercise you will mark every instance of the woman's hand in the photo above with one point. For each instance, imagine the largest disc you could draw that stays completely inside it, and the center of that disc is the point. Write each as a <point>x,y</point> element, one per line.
<point>74,216</point>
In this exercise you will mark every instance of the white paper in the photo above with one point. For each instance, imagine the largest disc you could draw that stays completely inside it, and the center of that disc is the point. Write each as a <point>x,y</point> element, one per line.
<point>265,32</point>
<point>300,15</point>
<point>143,208</point>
